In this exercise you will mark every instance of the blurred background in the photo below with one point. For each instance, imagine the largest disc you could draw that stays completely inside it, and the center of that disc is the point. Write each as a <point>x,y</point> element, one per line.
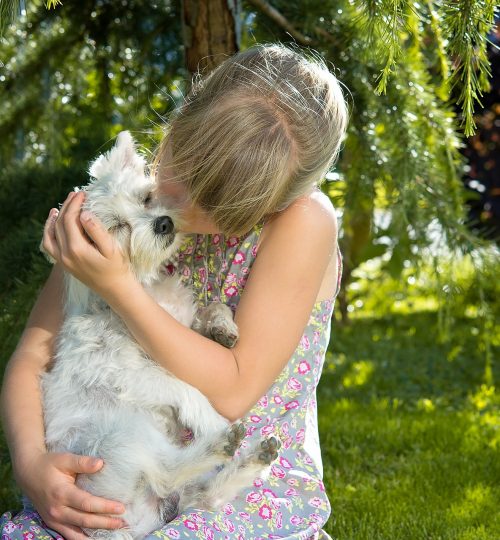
<point>408,407</point>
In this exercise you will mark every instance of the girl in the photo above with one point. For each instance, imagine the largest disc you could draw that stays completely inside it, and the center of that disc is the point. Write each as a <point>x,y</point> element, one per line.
<point>242,159</point>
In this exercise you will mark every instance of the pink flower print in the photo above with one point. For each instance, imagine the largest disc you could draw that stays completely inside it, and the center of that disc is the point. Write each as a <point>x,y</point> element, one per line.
<point>314,527</point>
<point>258,482</point>
<point>304,342</point>
<point>198,519</point>
<point>244,515</point>
<point>172,533</point>
<point>229,525</point>
<point>208,533</point>
<point>265,512</point>
<point>294,384</point>
<point>304,367</point>
<point>278,471</point>
<point>9,527</point>
<point>215,239</point>
<point>315,518</point>
<point>242,281</point>
<point>278,399</point>
<point>253,251</point>
<point>292,405</point>
<point>285,463</point>
<point>267,430</point>
<point>239,258</point>
<point>296,520</point>
<point>269,493</point>
<point>308,460</point>
<point>191,525</point>
<point>202,274</point>
<point>285,427</point>
<point>245,270</point>
<point>316,502</point>
<point>287,442</point>
<point>279,520</point>
<point>254,497</point>
<point>250,430</point>
<point>316,335</point>
<point>292,482</point>
<point>231,277</point>
<point>263,401</point>
<point>240,536</point>
<point>215,526</point>
<point>186,271</point>
<point>321,486</point>
<point>228,509</point>
<point>255,418</point>
<point>291,492</point>
<point>231,291</point>
<point>300,435</point>
<point>232,241</point>
<point>35,529</point>
<point>325,318</point>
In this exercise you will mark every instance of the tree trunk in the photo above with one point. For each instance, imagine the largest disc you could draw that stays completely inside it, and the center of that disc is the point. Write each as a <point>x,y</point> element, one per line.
<point>211,32</point>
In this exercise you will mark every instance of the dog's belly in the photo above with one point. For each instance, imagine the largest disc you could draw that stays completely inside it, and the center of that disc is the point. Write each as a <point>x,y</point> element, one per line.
<point>99,367</point>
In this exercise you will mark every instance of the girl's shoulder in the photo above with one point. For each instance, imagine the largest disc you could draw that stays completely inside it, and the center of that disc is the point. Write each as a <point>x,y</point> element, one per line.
<point>309,214</point>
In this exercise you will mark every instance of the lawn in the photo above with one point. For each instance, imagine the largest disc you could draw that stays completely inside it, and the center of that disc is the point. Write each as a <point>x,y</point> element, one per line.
<point>410,433</point>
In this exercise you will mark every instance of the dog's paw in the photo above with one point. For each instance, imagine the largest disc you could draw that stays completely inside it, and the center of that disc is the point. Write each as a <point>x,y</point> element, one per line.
<point>235,435</point>
<point>269,450</point>
<point>225,334</point>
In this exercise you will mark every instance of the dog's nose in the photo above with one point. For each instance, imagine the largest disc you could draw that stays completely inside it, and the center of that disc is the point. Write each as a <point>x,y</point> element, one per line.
<point>163,225</point>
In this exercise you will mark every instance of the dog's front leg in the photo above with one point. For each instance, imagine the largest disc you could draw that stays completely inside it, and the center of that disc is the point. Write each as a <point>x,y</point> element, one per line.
<point>215,321</point>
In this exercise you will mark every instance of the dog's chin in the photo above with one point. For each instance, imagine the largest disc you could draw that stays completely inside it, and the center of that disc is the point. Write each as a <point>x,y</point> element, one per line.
<point>147,267</point>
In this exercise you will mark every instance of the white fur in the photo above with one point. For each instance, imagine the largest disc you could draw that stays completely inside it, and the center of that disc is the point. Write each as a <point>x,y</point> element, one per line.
<point>105,397</point>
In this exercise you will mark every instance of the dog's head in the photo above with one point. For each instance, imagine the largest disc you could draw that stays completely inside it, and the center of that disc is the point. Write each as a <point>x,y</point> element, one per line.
<point>121,195</point>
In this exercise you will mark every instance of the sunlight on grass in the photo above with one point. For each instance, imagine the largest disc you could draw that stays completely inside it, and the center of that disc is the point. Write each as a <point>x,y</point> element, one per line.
<point>359,375</point>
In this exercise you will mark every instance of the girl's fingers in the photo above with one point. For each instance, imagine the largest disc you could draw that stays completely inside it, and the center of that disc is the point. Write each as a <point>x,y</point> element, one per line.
<point>71,221</point>
<point>68,532</point>
<point>59,229</point>
<point>91,521</point>
<point>49,241</point>
<point>97,233</point>
<point>85,502</point>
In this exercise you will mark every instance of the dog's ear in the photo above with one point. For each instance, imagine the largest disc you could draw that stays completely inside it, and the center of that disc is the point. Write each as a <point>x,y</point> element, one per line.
<point>122,156</point>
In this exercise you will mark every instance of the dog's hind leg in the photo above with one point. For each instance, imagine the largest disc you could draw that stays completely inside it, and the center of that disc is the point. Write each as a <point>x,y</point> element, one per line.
<point>238,474</point>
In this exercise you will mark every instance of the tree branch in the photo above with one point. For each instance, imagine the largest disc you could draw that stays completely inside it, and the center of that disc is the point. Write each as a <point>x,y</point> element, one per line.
<point>280,20</point>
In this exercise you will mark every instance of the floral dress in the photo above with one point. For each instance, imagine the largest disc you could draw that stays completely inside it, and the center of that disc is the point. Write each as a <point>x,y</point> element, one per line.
<point>291,503</point>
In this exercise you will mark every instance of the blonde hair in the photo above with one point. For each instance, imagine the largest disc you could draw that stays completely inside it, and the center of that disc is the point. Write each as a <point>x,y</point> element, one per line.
<point>260,130</point>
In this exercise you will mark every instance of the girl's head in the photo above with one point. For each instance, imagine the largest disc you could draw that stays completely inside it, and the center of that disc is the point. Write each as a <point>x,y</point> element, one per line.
<point>259,131</point>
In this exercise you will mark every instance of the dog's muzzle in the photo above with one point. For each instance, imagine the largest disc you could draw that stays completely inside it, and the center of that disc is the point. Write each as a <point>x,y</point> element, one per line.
<point>163,225</point>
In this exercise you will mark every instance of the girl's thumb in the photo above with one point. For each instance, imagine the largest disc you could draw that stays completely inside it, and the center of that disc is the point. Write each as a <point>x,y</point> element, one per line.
<point>85,464</point>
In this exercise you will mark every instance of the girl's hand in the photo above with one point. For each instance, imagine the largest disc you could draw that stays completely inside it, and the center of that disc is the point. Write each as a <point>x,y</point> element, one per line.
<point>49,482</point>
<point>80,243</point>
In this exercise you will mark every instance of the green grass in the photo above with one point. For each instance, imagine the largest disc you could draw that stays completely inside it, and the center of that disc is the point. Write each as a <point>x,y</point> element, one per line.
<point>410,433</point>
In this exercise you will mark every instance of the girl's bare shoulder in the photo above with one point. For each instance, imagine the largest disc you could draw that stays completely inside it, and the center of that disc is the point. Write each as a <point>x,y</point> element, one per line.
<point>309,214</point>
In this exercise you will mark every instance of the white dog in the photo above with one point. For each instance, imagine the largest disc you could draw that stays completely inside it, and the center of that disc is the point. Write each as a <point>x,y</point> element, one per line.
<point>103,396</point>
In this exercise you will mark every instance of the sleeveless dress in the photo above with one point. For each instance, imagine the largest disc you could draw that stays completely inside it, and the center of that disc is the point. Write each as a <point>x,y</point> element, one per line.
<point>291,503</point>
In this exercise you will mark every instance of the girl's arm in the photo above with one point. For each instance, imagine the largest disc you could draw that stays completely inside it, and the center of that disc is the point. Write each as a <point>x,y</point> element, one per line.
<point>48,479</point>
<point>271,315</point>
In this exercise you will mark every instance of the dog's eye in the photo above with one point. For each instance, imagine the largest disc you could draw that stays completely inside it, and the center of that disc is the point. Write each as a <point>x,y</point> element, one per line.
<point>148,199</point>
